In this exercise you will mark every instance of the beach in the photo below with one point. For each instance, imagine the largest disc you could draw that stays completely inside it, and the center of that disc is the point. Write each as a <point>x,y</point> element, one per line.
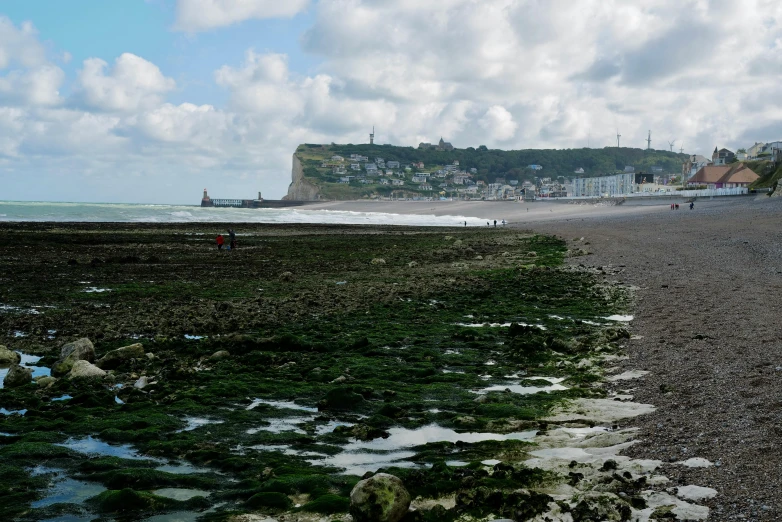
<point>707,288</point>
<point>586,345</point>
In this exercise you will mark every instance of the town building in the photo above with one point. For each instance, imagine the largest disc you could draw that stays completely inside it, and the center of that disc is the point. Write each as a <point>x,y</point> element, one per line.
<point>724,176</point>
<point>616,185</point>
<point>722,156</point>
<point>442,145</point>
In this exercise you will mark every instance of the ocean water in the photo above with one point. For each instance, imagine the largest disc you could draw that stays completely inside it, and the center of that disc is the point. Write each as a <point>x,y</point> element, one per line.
<point>139,213</point>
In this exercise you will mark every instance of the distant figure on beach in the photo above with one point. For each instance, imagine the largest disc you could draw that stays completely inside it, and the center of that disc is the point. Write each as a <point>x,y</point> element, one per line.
<point>465,223</point>
<point>220,242</point>
<point>488,224</point>
<point>495,222</point>
<point>677,206</point>
<point>671,206</point>
<point>503,222</point>
<point>692,205</point>
<point>232,235</point>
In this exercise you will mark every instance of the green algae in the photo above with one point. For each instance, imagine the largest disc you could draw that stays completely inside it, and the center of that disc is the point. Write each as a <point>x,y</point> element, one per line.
<point>377,346</point>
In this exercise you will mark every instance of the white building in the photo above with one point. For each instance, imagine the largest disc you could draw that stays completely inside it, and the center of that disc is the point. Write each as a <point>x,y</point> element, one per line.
<point>615,185</point>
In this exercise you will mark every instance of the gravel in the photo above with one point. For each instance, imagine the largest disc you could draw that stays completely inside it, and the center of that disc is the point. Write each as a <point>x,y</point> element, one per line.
<point>707,329</point>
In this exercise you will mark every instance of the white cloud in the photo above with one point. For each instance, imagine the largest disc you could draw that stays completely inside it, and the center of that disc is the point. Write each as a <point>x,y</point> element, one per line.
<point>133,83</point>
<point>498,123</point>
<point>19,46</point>
<point>36,86</point>
<point>202,15</point>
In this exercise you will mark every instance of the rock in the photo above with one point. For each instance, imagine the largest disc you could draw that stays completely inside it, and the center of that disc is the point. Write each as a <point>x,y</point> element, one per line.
<point>378,261</point>
<point>45,381</point>
<point>412,264</point>
<point>342,399</point>
<point>150,355</point>
<point>532,254</point>
<point>116,358</point>
<point>84,369</point>
<point>465,420</point>
<point>380,498</point>
<point>80,350</point>
<point>18,376</point>
<point>479,258</point>
<point>339,380</point>
<point>8,356</point>
<point>222,354</point>
<point>286,276</point>
<point>141,383</point>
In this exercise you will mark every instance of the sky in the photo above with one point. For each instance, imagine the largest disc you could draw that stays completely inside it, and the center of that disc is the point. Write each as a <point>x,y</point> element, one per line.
<point>151,101</point>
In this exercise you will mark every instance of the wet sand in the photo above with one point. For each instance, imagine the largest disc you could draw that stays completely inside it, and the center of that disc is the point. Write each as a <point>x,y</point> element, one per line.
<point>519,213</point>
<point>707,315</point>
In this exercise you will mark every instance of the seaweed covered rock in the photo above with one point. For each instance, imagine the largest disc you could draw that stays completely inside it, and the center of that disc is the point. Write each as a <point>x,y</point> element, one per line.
<point>116,358</point>
<point>8,356</point>
<point>344,398</point>
<point>18,376</point>
<point>380,498</point>
<point>84,369</point>
<point>80,350</point>
<point>124,500</point>
<point>273,500</point>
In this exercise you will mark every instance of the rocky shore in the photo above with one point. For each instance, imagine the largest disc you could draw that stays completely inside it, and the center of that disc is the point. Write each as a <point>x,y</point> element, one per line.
<point>482,368</point>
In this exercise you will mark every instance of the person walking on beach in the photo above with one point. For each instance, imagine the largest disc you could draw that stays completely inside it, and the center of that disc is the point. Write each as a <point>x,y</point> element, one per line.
<point>220,241</point>
<point>495,223</point>
<point>232,236</point>
<point>692,205</point>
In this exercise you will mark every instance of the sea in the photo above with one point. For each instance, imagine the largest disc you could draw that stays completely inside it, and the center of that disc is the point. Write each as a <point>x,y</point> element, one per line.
<point>142,213</point>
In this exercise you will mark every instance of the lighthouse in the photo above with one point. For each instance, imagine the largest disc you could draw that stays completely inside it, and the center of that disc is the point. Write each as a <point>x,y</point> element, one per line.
<point>206,201</point>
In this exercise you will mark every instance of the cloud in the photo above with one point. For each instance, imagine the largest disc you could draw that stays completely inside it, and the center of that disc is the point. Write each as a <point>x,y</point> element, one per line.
<point>133,83</point>
<point>498,123</point>
<point>33,87</point>
<point>203,15</point>
<point>19,46</point>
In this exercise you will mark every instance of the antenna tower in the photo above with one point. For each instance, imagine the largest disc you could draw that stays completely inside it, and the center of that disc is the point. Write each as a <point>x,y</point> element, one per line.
<point>670,144</point>
<point>372,136</point>
<point>681,149</point>
<point>617,138</point>
<point>649,141</point>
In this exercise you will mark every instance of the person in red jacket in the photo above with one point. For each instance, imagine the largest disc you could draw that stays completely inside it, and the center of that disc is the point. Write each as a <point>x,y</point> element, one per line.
<point>220,242</point>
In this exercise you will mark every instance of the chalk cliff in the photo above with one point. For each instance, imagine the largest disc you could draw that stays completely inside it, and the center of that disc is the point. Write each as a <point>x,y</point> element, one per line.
<point>300,188</point>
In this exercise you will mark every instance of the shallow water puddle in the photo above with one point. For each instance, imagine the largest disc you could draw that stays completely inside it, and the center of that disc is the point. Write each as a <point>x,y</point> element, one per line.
<point>197,422</point>
<point>28,361</point>
<point>359,456</point>
<point>90,446</point>
<point>62,398</point>
<point>3,411</point>
<point>95,290</point>
<point>619,318</point>
<point>9,308</point>
<point>65,490</point>
<point>498,325</point>
<point>281,404</point>
<point>180,493</point>
<point>282,425</point>
<point>526,390</point>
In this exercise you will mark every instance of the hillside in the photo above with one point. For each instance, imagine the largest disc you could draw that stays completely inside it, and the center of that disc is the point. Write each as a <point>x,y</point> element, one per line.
<point>317,176</point>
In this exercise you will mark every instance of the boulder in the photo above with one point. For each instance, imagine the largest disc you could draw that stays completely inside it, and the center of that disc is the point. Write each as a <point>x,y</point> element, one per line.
<point>45,381</point>
<point>116,358</point>
<point>81,350</point>
<point>222,354</point>
<point>8,357</point>
<point>378,261</point>
<point>286,277</point>
<point>341,399</point>
<point>141,383</point>
<point>18,376</point>
<point>380,498</point>
<point>84,369</point>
